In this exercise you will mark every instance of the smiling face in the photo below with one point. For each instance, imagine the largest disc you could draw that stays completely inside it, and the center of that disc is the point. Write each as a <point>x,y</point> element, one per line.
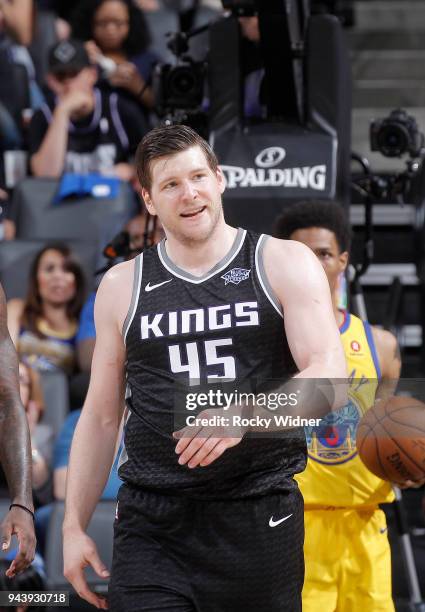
<point>56,284</point>
<point>186,195</point>
<point>325,246</point>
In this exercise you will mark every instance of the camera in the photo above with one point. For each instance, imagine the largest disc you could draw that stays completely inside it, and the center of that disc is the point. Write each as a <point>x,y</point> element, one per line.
<point>179,87</point>
<point>396,135</point>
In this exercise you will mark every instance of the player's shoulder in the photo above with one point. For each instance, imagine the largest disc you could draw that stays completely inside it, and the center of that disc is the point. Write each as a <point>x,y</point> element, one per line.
<point>113,296</point>
<point>290,261</point>
<point>290,250</point>
<point>292,269</point>
<point>385,341</point>
<point>117,277</point>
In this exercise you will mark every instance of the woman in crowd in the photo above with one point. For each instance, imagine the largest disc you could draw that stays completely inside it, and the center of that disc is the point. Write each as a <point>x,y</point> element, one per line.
<point>44,325</point>
<point>117,40</point>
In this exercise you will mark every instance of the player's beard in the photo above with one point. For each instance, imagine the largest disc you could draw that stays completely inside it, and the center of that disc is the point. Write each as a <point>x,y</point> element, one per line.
<point>203,234</point>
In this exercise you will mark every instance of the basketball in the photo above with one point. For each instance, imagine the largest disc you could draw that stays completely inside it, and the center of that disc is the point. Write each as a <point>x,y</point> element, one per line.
<point>391,439</point>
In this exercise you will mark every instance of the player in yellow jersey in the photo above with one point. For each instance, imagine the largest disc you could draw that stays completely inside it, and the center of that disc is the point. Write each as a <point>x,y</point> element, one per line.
<point>347,553</point>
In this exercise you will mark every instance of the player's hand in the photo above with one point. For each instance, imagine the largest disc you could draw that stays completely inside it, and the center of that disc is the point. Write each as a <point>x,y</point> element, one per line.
<point>203,444</point>
<point>20,523</point>
<point>79,551</point>
<point>411,484</point>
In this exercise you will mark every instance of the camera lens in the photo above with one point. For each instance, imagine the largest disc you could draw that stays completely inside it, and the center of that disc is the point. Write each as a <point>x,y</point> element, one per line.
<point>393,140</point>
<point>182,82</point>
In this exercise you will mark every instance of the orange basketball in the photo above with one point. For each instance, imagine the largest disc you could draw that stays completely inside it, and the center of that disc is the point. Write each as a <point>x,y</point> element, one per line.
<point>391,439</point>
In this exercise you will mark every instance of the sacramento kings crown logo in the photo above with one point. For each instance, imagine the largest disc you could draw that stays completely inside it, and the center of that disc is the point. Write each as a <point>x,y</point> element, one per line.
<point>235,276</point>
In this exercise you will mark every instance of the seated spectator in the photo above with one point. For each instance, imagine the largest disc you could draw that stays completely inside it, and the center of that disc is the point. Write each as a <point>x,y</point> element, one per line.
<point>82,130</point>
<point>117,38</point>
<point>44,325</point>
<point>41,434</point>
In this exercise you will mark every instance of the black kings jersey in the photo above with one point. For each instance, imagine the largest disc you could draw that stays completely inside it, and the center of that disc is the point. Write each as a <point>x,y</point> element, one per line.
<point>184,334</point>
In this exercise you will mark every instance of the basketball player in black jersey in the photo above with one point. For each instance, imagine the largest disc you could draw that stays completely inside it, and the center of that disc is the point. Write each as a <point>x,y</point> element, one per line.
<point>204,523</point>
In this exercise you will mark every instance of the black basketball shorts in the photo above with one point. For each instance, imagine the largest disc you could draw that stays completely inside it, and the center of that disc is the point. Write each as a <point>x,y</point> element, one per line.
<point>173,554</point>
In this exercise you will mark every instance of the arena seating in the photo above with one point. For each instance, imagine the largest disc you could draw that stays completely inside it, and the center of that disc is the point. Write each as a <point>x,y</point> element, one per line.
<point>94,220</point>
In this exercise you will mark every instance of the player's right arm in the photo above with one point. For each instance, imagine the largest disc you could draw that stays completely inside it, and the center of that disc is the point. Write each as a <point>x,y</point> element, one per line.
<point>93,445</point>
<point>390,363</point>
<point>15,453</point>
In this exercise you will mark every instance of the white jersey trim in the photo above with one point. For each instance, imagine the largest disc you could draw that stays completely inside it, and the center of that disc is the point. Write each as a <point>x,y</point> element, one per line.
<point>137,283</point>
<point>175,271</point>
<point>262,276</point>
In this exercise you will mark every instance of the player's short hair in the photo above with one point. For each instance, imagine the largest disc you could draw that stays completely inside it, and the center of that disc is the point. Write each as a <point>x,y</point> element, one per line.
<point>303,215</point>
<point>168,140</point>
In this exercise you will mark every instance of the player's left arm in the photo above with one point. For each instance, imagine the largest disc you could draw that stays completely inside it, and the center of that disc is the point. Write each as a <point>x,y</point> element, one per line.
<point>299,282</point>
<point>389,358</point>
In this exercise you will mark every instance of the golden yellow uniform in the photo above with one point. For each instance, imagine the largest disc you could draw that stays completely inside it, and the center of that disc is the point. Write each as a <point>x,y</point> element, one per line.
<point>347,554</point>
